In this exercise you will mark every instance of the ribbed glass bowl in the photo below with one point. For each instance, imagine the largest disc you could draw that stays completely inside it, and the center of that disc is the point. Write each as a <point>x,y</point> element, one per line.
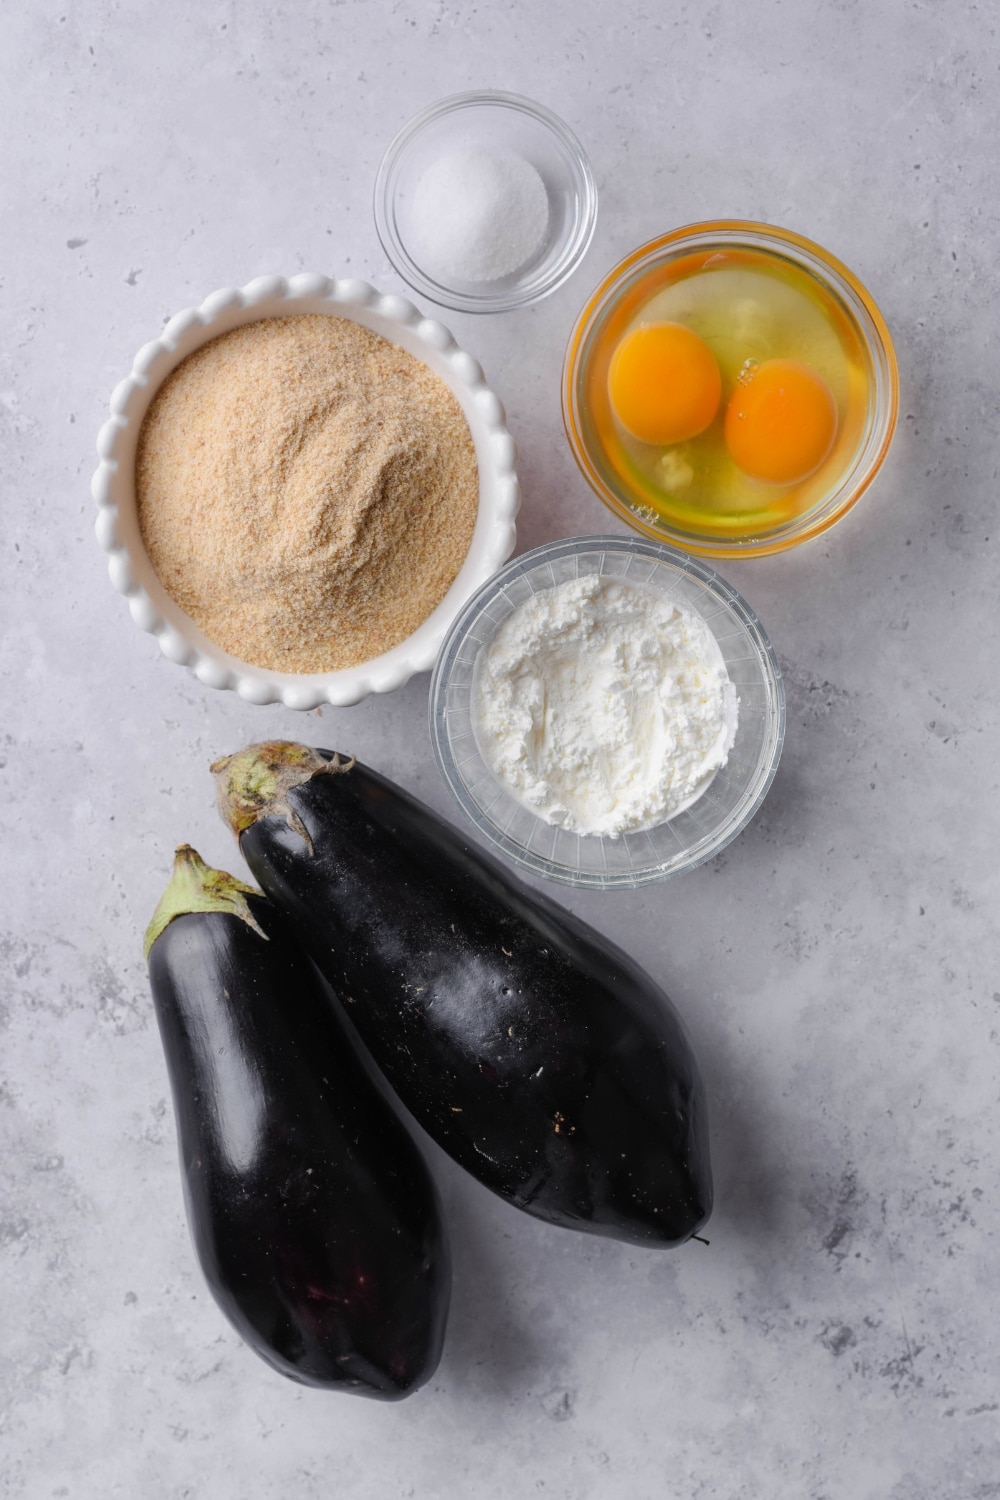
<point>495,122</point>
<point>631,859</point>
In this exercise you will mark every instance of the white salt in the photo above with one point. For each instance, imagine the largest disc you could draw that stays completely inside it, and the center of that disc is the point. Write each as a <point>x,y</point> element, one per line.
<point>478,215</point>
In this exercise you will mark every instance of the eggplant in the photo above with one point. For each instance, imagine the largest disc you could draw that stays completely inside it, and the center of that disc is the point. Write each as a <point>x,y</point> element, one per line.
<point>313,1216</point>
<point>536,1053</point>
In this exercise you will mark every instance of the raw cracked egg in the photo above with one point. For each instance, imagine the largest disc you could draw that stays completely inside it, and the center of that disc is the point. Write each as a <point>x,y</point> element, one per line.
<point>723,393</point>
<point>781,421</point>
<point>664,383</point>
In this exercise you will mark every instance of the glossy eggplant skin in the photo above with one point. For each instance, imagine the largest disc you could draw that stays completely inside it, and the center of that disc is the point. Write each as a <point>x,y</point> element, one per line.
<point>532,1050</point>
<point>313,1216</point>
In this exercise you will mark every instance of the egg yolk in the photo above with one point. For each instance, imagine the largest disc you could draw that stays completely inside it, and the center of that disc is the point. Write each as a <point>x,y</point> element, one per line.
<point>664,384</point>
<point>781,421</point>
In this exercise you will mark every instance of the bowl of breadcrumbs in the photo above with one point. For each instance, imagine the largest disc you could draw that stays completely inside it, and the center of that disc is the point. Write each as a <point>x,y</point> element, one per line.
<point>301,483</point>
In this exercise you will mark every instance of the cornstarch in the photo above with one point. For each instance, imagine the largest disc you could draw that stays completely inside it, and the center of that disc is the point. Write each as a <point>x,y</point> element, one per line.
<point>604,707</point>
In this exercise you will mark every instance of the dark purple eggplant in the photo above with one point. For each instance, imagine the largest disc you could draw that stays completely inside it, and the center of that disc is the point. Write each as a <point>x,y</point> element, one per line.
<point>314,1218</point>
<point>532,1050</point>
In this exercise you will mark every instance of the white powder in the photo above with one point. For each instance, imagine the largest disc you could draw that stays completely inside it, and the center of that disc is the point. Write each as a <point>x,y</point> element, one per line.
<point>603,707</point>
<point>478,215</point>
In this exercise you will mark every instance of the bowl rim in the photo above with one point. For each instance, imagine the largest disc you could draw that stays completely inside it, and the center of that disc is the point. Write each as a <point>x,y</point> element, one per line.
<point>113,489</point>
<point>856,300</point>
<point>512,297</point>
<point>478,604</point>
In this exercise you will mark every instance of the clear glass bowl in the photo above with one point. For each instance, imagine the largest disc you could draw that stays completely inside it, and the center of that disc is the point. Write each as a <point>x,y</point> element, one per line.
<point>691,250</point>
<point>494,122</point>
<point>632,859</point>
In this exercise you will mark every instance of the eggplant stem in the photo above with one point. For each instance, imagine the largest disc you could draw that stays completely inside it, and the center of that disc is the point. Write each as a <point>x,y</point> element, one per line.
<point>255,782</point>
<point>195,886</point>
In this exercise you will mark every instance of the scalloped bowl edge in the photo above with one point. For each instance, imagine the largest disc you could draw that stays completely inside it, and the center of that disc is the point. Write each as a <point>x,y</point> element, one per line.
<point>113,488</point>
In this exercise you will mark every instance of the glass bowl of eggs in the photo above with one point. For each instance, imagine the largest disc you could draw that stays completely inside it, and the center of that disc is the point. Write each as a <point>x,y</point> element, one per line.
<point>730,388</point>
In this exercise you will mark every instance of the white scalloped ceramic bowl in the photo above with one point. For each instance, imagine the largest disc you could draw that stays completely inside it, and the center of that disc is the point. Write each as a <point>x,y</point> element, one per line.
<point>113,484</point>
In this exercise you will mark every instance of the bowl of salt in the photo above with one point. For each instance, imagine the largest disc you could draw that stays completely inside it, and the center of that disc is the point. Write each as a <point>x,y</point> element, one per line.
<point>485,202</point>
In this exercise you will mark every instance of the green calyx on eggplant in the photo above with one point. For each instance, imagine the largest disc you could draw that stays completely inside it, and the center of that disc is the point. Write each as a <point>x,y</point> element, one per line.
<point>313,1215</point>
<point>532,1050</point>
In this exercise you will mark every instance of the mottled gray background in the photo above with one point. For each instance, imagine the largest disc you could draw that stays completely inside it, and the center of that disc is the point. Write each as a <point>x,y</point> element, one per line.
<point>837,965</point>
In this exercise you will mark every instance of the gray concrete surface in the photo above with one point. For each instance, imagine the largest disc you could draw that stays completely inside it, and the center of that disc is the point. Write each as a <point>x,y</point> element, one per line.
<point>837,965</point>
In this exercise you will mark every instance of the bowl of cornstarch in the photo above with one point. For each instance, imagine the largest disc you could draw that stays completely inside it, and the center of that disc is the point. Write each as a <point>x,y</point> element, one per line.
<point>485,202</point>
<point>301,482</point>
<point>607,711</point>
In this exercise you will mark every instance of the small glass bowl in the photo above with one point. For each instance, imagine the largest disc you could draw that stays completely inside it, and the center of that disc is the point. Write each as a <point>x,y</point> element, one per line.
<point>692,835</point>
<point>691,250</point>
<point>494,122</point>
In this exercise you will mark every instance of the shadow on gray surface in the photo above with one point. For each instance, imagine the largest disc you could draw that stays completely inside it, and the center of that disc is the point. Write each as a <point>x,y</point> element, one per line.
<point>491,1348</point>
<point>754,1181</point>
